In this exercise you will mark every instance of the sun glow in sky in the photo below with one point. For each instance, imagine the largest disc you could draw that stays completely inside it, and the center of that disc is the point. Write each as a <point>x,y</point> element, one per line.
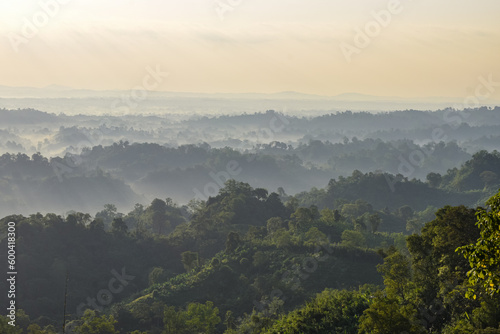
<point>427,48</point>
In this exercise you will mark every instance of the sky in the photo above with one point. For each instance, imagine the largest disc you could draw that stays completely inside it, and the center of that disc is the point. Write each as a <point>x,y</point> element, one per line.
<point>404,48</point>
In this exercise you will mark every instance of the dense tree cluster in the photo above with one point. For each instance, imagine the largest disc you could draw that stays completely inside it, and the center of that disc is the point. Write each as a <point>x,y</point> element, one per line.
<point>244,262</point>
<point>363,252</point>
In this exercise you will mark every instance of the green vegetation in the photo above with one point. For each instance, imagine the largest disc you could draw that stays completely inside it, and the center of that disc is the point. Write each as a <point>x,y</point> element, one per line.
<point>354,257</point>
<point>484,255</point>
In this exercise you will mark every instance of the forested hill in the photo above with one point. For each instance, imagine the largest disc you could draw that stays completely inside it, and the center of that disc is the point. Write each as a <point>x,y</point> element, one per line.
<point>121,174</point>
<point>141,157</point>
<point>148,225</point>
<point>246,262</point>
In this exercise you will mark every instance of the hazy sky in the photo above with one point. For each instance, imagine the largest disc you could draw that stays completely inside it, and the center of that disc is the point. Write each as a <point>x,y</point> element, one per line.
<point>429,48</point>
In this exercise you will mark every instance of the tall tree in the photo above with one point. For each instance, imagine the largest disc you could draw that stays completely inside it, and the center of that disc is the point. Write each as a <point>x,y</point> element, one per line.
<point>157,213</point>
<point>484,255</point>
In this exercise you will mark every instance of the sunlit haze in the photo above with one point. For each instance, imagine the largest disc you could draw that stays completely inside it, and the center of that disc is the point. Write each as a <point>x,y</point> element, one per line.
<point>429,48</point>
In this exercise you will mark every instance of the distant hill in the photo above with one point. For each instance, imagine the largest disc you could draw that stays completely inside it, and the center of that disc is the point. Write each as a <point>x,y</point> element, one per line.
<point>25,116</point>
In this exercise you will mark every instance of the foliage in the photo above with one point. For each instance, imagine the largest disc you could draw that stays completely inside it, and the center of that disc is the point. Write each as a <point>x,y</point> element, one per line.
<point>49,247</point>
<point>397,275</point>
<point>387,315</point>
<point>6,328</point>
<point>91,323</point>
<point>197,318</point>
<point>484,255</point>
<point>331,311</point>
